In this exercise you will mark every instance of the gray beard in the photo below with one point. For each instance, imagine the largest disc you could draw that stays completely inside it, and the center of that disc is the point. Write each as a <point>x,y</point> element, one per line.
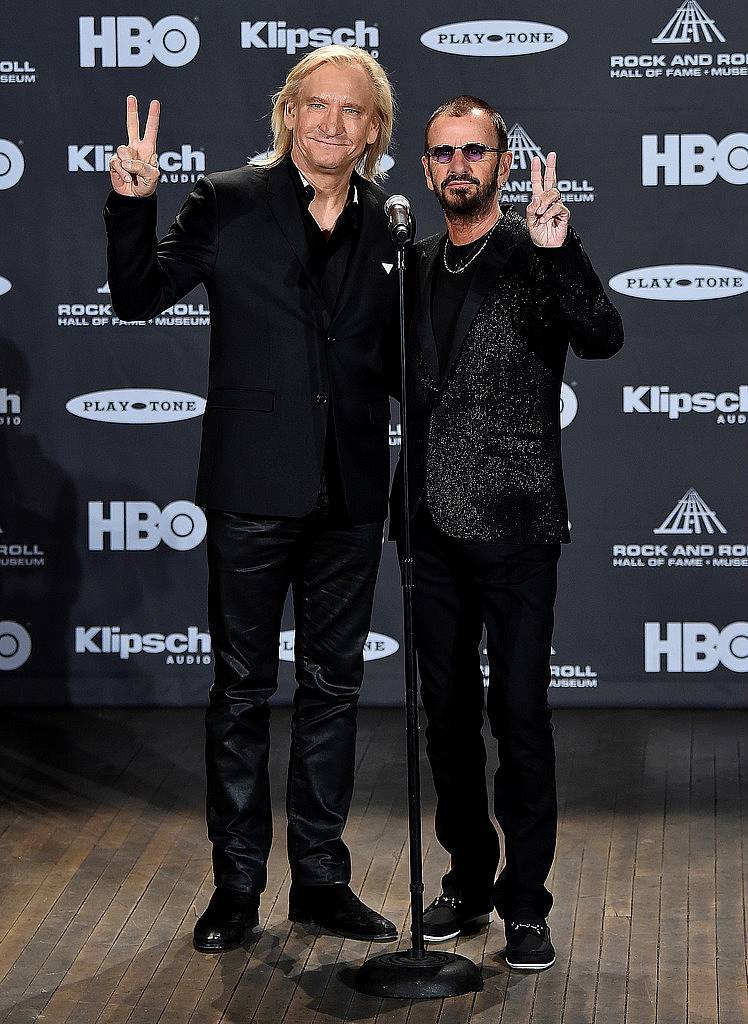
<point>475,209</point>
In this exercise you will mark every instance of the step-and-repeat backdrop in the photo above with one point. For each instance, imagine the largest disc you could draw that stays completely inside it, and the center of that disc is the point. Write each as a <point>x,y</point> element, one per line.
<point>102,554</point>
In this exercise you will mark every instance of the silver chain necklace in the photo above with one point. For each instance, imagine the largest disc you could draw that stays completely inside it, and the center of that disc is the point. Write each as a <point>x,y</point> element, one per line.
<point>463,266</point>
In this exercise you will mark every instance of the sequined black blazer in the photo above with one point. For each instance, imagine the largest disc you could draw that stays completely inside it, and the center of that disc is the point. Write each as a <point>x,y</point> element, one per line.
<point>484,436</point>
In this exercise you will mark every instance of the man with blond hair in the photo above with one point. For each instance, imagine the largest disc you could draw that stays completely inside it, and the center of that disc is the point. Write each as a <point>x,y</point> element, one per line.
<point>294,253</point>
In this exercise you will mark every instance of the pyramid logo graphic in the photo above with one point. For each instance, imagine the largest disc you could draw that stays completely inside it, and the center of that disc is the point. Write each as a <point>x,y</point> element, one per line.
<point>524,149</point>
<point>104,290</point>
<point>690,24</point>
<point>691,515</point>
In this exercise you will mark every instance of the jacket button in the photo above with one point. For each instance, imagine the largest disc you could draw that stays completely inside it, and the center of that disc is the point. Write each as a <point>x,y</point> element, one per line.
<point>320,399</point>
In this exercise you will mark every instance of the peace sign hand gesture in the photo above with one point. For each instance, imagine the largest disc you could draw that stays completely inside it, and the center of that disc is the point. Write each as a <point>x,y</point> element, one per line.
<point>547,217</point>
<point>134,170</point>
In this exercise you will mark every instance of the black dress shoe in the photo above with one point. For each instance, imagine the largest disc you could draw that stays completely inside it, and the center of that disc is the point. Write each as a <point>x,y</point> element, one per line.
<point>449,915</point>
<point>338,910</point>
<point>528,942</point>
<point>230,917</point>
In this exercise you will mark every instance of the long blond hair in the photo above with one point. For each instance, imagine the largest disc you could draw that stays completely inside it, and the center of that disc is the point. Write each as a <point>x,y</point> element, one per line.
<point>368,165</point>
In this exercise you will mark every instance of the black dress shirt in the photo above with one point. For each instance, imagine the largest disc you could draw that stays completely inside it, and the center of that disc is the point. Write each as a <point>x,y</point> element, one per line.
<point>330,256</point>
<point>448,294</point>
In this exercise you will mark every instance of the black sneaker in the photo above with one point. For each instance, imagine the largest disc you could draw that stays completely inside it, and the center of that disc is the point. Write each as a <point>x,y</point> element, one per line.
<point>449,916</point>
<point>528,942</point>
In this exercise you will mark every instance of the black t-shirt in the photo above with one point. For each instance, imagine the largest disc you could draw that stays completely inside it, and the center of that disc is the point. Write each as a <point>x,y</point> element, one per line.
<point>449,292</point>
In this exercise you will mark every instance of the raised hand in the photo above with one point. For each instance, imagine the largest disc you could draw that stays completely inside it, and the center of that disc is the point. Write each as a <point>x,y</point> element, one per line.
<point>134,170</point>
<point>547,217</point>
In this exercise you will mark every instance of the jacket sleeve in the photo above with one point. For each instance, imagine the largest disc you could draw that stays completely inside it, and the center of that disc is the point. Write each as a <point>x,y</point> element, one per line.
<point>578,300</point>
<point>146,276</point>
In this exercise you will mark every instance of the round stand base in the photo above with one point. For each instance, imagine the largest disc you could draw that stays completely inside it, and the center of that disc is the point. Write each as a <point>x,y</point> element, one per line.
<point>434,976</point>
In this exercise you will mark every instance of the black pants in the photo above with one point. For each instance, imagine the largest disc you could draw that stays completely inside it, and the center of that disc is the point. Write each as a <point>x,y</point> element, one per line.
<point>331,567</point>
<point>459,586</point>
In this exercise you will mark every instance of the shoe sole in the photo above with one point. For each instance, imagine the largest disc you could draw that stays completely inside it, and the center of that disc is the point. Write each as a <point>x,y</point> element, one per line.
<point>204,947</point>
<point>382,937</point>
<point>465,929</point>
<point>529,967</point>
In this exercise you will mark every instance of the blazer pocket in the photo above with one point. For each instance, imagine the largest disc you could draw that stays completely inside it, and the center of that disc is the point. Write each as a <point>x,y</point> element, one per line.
<point>256,399</point>
<point>380,410</point>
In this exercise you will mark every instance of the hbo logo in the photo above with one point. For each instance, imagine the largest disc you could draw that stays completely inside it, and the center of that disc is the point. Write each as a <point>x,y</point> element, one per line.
<point>131,42</point>
<point>142,525</point>
<point>695,159</point>
<point>695,647</point>
<point>15,645</point>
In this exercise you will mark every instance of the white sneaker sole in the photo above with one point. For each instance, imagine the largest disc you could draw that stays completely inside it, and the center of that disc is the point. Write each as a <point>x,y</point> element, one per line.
<point>473,922</point>
<point>529,967</point>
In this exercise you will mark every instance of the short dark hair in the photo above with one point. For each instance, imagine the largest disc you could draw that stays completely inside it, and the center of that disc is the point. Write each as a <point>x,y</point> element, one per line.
<point>459,106</point>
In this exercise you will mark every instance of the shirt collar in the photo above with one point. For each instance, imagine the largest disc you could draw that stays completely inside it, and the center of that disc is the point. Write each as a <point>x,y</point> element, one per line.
<point>308,185</point>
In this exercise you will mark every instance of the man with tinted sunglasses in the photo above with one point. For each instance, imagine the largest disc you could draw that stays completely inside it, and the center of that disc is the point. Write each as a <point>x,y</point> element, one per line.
<point>496,301</point>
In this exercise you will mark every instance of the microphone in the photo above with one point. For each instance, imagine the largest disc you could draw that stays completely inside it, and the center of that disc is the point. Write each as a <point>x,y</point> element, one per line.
<point>397,209</point>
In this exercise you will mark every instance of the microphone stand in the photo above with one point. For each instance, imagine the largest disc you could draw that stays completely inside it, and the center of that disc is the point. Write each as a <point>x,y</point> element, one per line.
<point>413,973</point>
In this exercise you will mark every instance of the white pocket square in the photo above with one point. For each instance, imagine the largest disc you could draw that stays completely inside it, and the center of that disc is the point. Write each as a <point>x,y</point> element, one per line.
<point>388,266</point>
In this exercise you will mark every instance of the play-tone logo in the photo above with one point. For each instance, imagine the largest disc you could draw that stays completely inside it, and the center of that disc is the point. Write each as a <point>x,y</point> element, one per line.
<point>136,405</point>
<point>15,645</point>
<point>192,647</point>
<point>519,189</point>
<point>681,282</point>
<point>11,164</point>
<point>377,646</point>
<point>691,27</point>
<point>142,525</point>
<point>695,647</point>
<point>689,517</point>
<point>277,35</point>
<point>494,38</point>
<point>694,159</point>
<point>731,407</point>
<point>569,405</point>
<point>133,42</point>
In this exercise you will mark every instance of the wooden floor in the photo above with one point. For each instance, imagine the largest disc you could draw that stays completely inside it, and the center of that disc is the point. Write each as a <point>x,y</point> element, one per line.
<point>104,866</point>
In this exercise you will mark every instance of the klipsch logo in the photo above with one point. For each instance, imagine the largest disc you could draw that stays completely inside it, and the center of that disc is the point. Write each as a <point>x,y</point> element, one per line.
<point>133,42</point>
<point>278,35</point>
<point>178,167</point>
<point>15,645</point>
<point>690,27</point>
<point>689,517</point>
<point>11,164</point>
<point>142,525</point>
<point>730,407</point>
<point>494,38</point>
<point>136,405</point>
<point>519,189</point>
<point>189,648</point>
<point>10,408</point>
<point>695,647</point>
<point>377,646</point>
<point>17,72</point>
<point>681,282</point>
<point>694,159</point>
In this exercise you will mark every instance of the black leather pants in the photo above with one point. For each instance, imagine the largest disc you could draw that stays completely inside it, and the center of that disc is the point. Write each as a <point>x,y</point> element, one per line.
<point>332,569</point>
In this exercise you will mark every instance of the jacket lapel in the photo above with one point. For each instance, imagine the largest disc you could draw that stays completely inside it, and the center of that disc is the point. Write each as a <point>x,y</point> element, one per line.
<point>423,325</point>
<point>284,206</point>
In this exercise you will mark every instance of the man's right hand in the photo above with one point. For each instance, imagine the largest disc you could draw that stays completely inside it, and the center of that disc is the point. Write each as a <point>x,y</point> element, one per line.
<point>134,170</point>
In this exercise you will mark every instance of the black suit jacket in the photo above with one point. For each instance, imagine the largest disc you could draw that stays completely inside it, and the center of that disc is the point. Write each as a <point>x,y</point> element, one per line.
<point>279,360</point>
<point>484,443</point>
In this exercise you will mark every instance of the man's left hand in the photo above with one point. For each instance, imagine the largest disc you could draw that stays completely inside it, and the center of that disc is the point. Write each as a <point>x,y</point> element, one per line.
<point>547,217</point>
